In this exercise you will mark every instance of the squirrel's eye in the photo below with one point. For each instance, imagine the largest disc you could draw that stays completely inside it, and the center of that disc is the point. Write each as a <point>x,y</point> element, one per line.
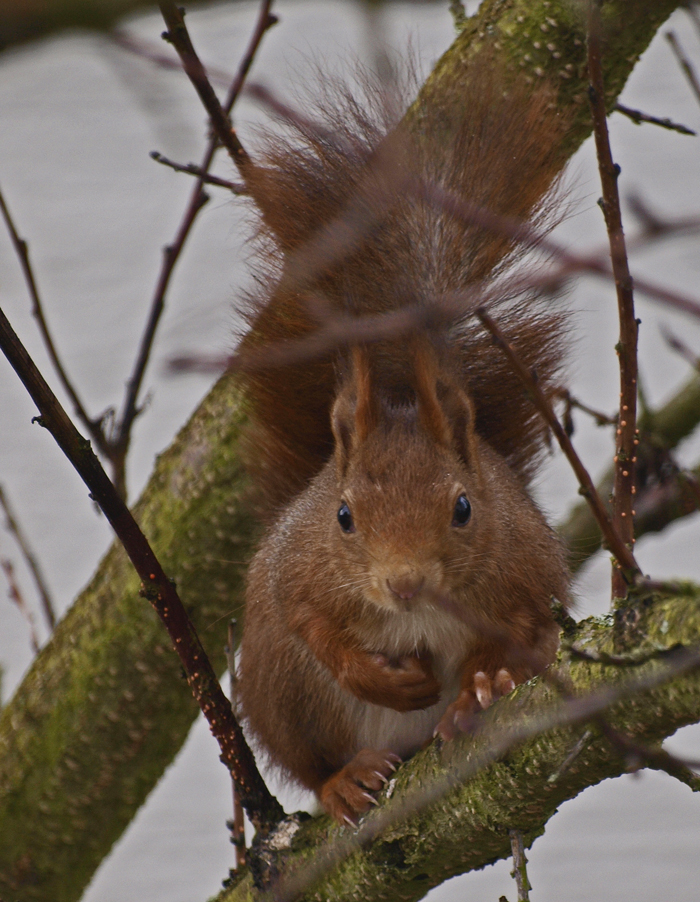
<point>345,518</point>
<point>462,512</point>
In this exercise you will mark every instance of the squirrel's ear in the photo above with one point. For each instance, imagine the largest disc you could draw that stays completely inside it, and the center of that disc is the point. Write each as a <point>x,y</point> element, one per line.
<point>355,413</point>
<point>445,411</point>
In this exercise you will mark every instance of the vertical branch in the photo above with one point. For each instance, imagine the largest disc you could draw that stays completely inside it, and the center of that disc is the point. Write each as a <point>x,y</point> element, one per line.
<point>519,871</point>
<point>626,436</point>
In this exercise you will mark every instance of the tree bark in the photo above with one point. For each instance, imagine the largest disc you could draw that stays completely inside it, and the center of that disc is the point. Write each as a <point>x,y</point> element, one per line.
<point>103,710</point>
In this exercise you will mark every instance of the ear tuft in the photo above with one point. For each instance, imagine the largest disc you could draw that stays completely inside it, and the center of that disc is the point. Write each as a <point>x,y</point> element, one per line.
<point>367,412</point>
<point>356,412</point>
<point>445,411</point>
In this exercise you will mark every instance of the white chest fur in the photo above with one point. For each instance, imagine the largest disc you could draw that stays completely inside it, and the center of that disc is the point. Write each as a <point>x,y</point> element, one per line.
<point>449,641</point>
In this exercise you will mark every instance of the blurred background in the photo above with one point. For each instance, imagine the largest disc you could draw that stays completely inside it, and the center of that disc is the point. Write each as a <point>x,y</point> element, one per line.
<point>79,115</point>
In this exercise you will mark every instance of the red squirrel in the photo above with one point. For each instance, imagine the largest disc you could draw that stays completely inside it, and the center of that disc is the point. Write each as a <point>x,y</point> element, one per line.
<point>406,577</point>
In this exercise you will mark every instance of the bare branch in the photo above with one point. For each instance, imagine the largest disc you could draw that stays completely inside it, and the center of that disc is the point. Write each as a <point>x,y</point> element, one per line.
<point>639,755</point>
<point>237,824</point>
<point>237,188</point>
<point>488,748</point>
<point>638,117</point>
<point>601,419</point>
<point>627,433</point>
<point>680,347</point>
<point>152,52</point>
<point>44,594</point>
<point>519,871</point>
<point>179,37</point>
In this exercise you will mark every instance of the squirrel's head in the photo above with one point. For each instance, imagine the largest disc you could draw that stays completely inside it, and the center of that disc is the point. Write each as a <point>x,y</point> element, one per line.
<point>411,512</point>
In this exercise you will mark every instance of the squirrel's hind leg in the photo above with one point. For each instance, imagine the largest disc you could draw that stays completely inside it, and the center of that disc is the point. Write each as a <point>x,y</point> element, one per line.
<point>348,792</point>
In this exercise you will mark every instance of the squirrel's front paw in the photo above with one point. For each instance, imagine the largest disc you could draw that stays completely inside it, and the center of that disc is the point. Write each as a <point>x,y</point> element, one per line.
<point>348,793</point>
<point>459,717</point>
<point>404,684</point>
<point>407,684</point>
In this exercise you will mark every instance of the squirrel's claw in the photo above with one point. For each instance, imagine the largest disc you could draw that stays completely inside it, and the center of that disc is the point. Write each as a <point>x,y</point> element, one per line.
<point>348,793</point>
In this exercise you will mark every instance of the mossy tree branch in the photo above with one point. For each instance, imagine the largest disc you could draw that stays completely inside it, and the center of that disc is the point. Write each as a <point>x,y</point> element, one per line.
<point>104,710</point>
<point>468,827</point>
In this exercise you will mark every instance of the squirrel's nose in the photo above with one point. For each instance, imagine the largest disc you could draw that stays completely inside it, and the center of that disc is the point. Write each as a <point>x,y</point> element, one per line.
<point>405,585</point>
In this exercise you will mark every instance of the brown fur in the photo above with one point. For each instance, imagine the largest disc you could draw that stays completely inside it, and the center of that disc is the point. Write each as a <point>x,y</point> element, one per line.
<point>360,642</point>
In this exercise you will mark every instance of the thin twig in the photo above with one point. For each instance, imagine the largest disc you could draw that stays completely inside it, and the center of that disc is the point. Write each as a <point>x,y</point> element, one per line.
<point>631,660</point>
<point>627,433</point>
<point>16,596</point>
<point>171,253</point>
<point>178,35</point>
<point>237,188</point>
<point>340,236</point>
<point>383,167</point>
<point>638,117</point>
<point>587,488</point>
<point>636,754</point>
<point>576,750</point>
<point>684,63</point>
<point>691,480</point>
<point>519,871</point>
<point>660,586</point>
<point>602,419</point>
<point>150,51</point>
<point>94,426</point>
<point>15,529</point>
<point>338,332</point>
<point>569,263</point>
<point>654,226</point>
<point>263,809</point>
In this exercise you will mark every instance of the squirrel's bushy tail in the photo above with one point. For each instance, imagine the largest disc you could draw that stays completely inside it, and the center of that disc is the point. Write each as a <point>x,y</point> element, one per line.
<point>362,216</point>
